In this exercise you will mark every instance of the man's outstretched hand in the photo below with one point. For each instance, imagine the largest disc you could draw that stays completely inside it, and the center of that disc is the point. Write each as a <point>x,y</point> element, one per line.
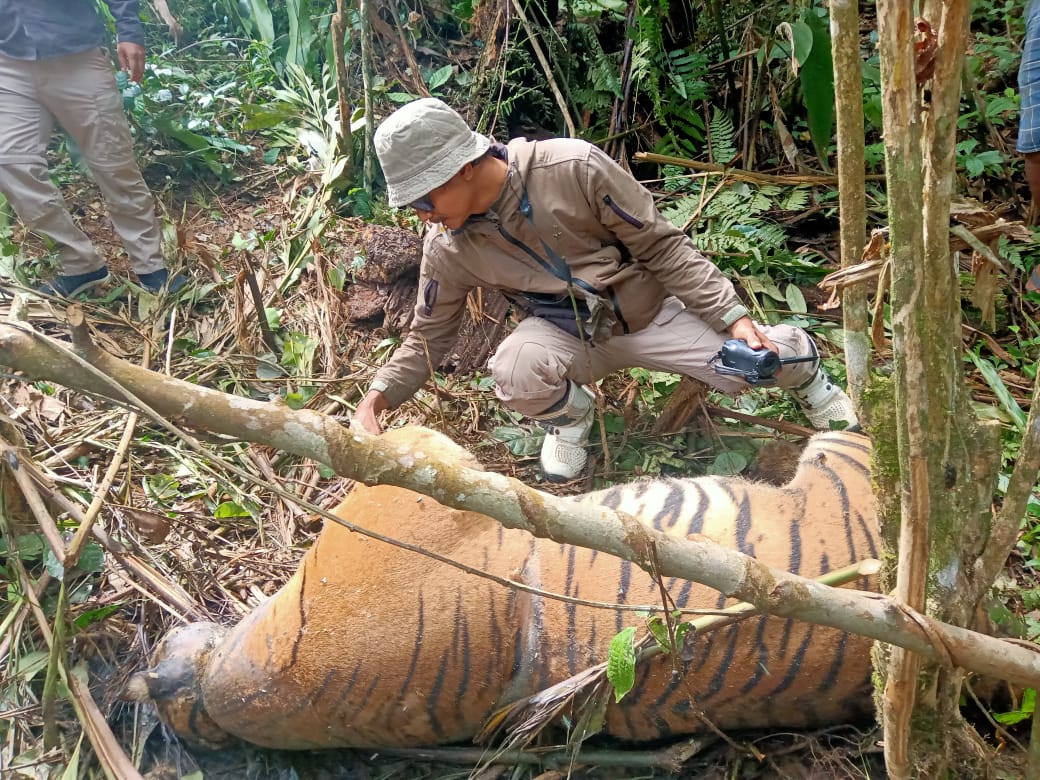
<point>746,329</point>
<point>131,59</point>
<point>366,415</point>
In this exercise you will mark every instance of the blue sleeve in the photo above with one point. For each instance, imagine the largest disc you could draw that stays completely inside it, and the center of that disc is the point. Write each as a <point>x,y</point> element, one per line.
<point>127,15</point>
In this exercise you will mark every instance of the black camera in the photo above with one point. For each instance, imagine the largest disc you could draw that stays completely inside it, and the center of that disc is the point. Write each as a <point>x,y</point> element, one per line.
<point>757,366</point>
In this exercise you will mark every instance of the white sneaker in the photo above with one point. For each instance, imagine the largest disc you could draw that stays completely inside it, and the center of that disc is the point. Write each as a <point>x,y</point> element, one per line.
<point>567,429</point>
<point>824,403</point>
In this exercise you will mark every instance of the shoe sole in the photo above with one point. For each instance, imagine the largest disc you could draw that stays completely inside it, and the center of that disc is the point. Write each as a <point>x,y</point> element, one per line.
<point>557,480</point>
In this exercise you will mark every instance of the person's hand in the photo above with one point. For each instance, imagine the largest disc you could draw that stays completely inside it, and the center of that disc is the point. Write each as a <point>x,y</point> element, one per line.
<point>131,59</point>
<point>366,415</point>
<point>746,329</point>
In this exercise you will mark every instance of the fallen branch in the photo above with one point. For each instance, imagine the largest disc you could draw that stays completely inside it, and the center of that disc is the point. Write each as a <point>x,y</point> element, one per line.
<point>820,179</point>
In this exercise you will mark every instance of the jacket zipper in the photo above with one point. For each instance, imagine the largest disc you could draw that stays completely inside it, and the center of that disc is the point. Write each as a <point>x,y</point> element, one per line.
<point>636,223</point>
<point>430,296</point>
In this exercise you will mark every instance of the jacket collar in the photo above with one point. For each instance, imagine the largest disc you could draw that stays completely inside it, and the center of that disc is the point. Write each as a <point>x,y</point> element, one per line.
<point>517,154</point>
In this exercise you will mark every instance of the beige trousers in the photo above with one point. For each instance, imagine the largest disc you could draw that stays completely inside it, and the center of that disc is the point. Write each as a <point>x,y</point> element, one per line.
<point>532,365</point>
<point>79,92</point>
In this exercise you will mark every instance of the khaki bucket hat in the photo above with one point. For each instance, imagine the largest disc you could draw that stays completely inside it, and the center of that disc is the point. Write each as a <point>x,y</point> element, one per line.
<point>421,146</point>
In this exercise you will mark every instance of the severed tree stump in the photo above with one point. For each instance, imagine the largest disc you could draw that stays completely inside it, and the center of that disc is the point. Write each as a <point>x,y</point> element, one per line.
<point>384,290</point>
<point>687,399</point>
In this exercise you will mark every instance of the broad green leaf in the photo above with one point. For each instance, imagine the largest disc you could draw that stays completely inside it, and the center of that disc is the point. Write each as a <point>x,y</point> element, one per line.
<point>72,768</point>
<point>659,629</point>
<point>54,567</point>
<point>299,398</point>
<point>92,616</point>
<point>614,423</point>
<point>30,547</point>
<point>996,384</point>
<point>267,368</point>
<point>92,559</point>
<point>621,662</point>
<point>728,463</point>
<point>795,300</point>
<point>28,665</point>
<point>228,509</point>
<point>1022,713</point>
<point>161,488</point>
<point>301,33</point>
<point>817,79</point>
<point>519,441</point>
<point>268,116</point>
<point>336,276</point>
<point>193,141</point>
<point>440,77</point>
<point>802,38</point>
<point>263,23</point>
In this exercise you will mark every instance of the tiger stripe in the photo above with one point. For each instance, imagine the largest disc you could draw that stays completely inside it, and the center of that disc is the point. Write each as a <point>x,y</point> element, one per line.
<point>370,646</point>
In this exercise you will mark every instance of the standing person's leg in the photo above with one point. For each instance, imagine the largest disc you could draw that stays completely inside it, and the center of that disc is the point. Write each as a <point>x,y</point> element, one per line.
<point>1028,143</point>
<point>678,341</point>
<point>25,131</point>
<point>539,371</point>
<point>80,91</point>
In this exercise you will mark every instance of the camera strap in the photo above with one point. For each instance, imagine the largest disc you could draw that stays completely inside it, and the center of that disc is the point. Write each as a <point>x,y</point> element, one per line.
<point>552,262</point>
<point>592,312</point>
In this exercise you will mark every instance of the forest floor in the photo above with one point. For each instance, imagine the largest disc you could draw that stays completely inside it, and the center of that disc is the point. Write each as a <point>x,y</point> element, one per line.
<point>246,566</point>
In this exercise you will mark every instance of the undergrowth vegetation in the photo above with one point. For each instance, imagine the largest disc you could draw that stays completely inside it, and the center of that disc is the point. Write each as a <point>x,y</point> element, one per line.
<point>267,203</point>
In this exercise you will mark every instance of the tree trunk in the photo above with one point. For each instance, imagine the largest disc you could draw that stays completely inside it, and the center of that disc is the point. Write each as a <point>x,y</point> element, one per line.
<point>852,197</point>
<point>367,69</point>
<point>946,479</point>
<point>338,31</point>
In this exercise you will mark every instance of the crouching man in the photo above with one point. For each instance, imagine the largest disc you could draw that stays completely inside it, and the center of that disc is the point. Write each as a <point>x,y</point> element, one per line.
<point>576,243</point>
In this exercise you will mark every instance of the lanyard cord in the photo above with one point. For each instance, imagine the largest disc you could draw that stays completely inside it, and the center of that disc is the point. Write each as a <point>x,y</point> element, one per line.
<point>555,264</point>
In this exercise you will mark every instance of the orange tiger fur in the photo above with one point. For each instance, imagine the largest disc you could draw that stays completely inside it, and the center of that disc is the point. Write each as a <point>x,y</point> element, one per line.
<point>369,645</point>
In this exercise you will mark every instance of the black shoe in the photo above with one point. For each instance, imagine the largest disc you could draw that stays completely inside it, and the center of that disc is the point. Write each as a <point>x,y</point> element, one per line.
<point>71,285</point>
<point>157,280</point>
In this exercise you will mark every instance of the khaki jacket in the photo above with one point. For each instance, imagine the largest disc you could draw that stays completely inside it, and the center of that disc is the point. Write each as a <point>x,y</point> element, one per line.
<point>589,212</point>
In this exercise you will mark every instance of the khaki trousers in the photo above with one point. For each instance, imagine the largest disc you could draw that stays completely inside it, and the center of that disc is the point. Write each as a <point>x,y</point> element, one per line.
<point>79,92</point>
<point>532,365</point>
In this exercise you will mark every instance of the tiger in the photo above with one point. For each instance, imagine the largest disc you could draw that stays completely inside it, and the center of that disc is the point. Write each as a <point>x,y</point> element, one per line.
<point>369,645</point>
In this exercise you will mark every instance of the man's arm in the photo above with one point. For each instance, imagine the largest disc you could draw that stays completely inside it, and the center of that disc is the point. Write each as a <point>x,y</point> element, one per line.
<point>657,244</point>
<point>434,329</point>
<point>130,47</point>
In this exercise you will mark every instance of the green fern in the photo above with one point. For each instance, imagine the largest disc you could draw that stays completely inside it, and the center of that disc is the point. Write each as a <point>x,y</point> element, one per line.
<point>723,137</point>
<point>674,178</point>
<point>685,72</point>
<point>673,81</point>
<point>601,85</point>
<point>795,199</point>
<point>535,103</point>
<point>679,211</point>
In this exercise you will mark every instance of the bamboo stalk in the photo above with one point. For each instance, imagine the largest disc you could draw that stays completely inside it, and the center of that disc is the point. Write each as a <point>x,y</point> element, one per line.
<point>816,179</point>
<point>572,131</point>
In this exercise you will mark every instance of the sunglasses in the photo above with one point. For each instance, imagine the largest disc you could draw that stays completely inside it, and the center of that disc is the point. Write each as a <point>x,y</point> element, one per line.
<point>423,204</point>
